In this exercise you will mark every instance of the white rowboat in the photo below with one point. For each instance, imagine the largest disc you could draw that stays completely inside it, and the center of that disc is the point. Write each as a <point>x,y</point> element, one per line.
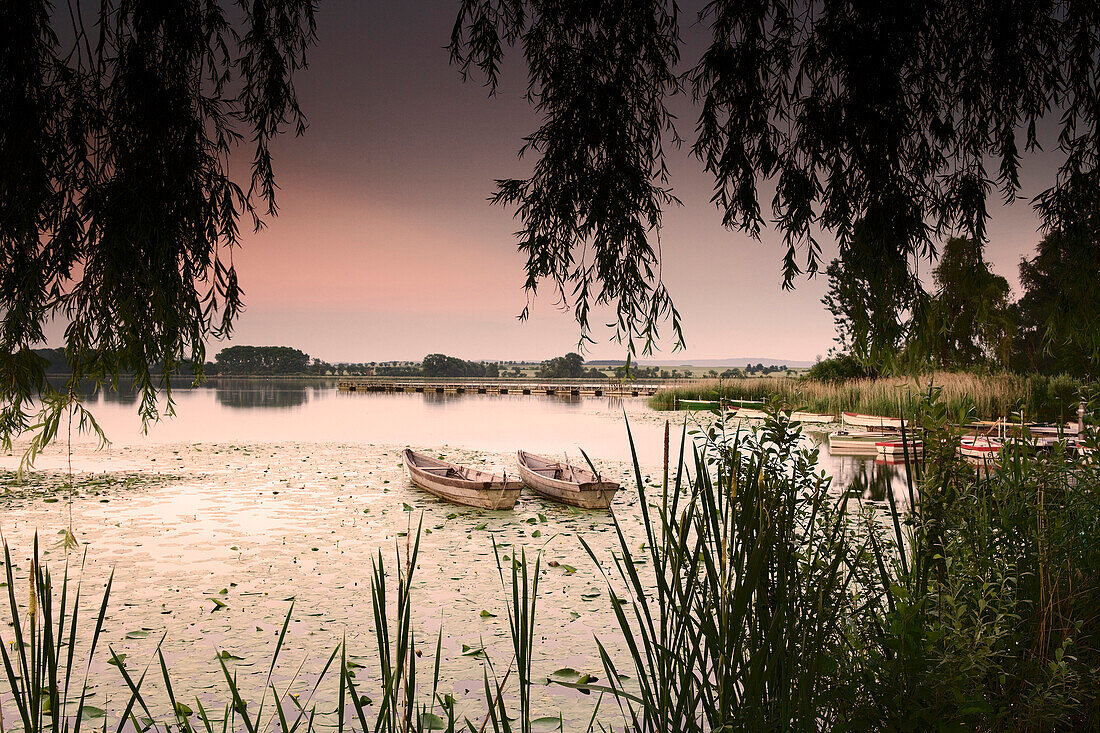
<point>979,446</point>
<point>899,447</point>
<point>857,443</point>
<point>812,417</point>
<point>860,420</point>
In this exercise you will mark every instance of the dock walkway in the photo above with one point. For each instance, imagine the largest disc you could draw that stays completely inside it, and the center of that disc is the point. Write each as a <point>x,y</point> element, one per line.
<point>592,389</point>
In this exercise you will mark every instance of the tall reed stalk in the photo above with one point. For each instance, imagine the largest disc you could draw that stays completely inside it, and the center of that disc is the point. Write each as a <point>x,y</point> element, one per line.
<point>758,576</point>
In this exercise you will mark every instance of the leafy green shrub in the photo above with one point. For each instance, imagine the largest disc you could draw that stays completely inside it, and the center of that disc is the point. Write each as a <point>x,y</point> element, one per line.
<point>993,619</point>
<point>838,369</point>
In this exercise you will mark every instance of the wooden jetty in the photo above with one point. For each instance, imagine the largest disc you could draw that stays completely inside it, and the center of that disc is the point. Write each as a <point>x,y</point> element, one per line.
<point>590,389</point>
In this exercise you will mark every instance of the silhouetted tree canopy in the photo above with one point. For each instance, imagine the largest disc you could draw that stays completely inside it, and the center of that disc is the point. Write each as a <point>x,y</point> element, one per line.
<point>839,368</point>
<point>118,208</point>
<point>262,360</point>
<point>871,297</point>
<point>441,365</point>
<point>973,314</point>
<point>570,366</point>
<point>1059,313</point>
<point>813,115</point>
<point>56,363</point>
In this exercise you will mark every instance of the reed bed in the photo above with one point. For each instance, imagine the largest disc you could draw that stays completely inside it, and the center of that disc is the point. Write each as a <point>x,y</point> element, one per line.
<point>986,396</point>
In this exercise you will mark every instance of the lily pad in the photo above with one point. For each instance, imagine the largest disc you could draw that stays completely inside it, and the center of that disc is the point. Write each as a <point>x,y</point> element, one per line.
<point>430,721</point>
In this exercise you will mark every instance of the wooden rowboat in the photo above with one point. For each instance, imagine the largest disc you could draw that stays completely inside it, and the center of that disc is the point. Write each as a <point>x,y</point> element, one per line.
<point>856,443</point>
<point>900,447</point>
<point>565,482</point>
<point>752,413</point>
<point>460,484</point>
<point>697,404</point>
<point>979,447</point>
<point>881,460</point>
<point>870,421</point>
<point>812,417</point>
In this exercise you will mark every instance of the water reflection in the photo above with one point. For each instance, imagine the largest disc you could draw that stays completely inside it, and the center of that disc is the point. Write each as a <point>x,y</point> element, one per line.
<point>867,478</point>
<point>438,398</point>
<point>122,396</point>
<point>873,481</point>
<point>257,394</point>
<point>313,411</point>
<point>237,393</point>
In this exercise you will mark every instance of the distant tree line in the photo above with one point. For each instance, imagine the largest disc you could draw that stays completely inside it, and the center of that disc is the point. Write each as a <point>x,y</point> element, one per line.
<point>761,369</point>
<point>637,372</point>
<point>261,360</point>
<point>55,361</point>
<point>284,360</point>
<point>382,371</point>
<point>441,365</point>
<point>277,360</point>
<point>569,366</point>
<point>969,320</point>
<point>730,373</point>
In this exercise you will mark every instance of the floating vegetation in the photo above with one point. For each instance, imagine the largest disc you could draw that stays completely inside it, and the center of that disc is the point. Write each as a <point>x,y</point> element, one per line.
<point>53,486</point>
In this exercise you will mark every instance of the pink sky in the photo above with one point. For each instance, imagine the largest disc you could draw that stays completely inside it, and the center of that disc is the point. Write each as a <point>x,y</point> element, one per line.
<point>385,247</point>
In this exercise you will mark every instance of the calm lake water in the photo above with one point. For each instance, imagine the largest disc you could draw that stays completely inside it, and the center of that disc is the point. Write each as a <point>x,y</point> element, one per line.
<point>264,493</point>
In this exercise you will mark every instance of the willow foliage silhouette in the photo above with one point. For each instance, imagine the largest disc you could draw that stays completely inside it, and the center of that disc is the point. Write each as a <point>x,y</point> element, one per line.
<point>118,211</point>
<point>903,116</point>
